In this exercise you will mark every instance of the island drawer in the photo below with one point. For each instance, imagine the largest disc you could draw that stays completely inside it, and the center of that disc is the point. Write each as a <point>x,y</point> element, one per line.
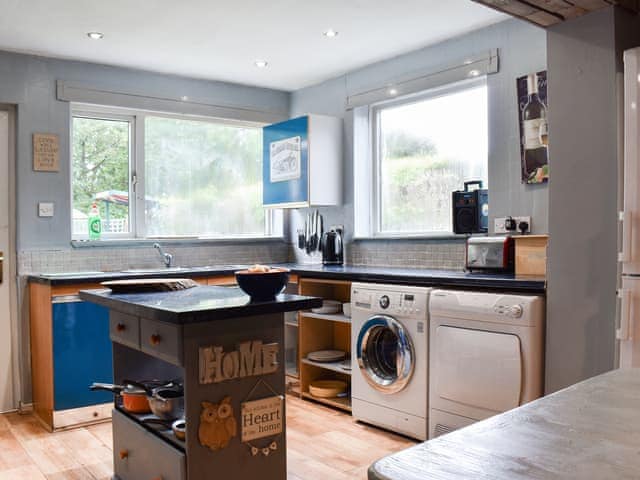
<point>162,340</point>
<point>139,454</point>
<point>124,329</point>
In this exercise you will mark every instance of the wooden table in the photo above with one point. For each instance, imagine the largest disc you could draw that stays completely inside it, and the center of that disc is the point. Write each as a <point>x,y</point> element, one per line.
<point>590,430</point>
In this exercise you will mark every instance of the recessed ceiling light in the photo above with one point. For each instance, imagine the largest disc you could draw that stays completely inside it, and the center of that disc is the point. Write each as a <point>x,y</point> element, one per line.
<point>331,33</point>
<point>95,35</point>
<point>393,91</point>
<point>474,73</point>
<point>261,63</point>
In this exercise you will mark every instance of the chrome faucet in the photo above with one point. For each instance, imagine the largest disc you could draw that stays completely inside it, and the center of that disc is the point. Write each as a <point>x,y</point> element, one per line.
<point>167,258</point>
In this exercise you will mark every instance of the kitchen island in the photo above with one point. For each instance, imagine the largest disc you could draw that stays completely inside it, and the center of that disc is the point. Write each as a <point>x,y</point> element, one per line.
<point>590,430</point>
<point>228,353</point>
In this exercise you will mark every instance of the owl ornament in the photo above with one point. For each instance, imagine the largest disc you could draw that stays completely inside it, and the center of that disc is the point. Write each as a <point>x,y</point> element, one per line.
<point>217,424</point>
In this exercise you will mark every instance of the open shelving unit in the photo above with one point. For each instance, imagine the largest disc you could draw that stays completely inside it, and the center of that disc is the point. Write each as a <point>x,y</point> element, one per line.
<point>162,432</point>
<point>319,331</point>
<point>291,335</point>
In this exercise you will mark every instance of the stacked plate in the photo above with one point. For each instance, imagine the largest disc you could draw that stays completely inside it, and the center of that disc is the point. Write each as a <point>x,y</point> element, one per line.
<point>326,356</point>
<point>328,307</point>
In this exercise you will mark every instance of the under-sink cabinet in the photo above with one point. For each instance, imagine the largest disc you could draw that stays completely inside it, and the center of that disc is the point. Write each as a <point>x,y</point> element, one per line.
<point>70,349</point>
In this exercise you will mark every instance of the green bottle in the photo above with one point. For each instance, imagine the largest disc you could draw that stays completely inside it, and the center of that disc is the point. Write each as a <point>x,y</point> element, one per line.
<point>95,223</point>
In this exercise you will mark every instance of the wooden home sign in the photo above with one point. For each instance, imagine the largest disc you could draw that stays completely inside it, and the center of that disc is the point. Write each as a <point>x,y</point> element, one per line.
<point>248,360</point>
<point>261,418</point>
<point>46,152</point>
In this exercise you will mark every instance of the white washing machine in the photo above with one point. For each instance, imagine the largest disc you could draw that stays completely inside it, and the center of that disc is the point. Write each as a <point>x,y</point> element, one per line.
<point>389,349</point>
<point>486,356</point>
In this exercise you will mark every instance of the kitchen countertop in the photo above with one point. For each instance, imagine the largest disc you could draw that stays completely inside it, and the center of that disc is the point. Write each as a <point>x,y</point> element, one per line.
<point>589,430</point>
<point>413,276</point>
<point>197,304</point>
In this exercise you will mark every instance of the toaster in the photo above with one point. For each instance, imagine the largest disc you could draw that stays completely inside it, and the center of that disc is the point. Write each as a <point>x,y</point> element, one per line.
<point>490,254</point>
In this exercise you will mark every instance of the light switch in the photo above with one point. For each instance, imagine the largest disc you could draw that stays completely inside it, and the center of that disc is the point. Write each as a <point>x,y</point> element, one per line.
<point>45,209</point>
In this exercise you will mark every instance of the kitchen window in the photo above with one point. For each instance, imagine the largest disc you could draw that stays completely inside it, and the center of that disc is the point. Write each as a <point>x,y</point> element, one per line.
<point>159,175</point>
<point>423,148</point>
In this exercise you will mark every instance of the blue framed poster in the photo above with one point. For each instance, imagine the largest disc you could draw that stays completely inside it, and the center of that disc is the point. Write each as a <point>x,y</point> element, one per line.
<point>285,166</point>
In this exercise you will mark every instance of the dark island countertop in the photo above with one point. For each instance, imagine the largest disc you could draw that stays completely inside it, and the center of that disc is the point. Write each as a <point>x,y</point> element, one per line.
<point>590,430</point>
<point>197,304</point>
<point>407,276</point>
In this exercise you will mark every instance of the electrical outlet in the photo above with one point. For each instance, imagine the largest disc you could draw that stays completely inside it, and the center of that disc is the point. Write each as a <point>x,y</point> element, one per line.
<point>499,227</point>
<point>45,209</point>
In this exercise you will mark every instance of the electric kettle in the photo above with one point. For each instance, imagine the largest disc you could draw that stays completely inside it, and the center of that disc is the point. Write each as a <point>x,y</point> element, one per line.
<point>332,247</point>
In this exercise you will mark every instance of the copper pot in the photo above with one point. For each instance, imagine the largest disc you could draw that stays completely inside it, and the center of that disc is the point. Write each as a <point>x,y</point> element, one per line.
<point>134,398</point>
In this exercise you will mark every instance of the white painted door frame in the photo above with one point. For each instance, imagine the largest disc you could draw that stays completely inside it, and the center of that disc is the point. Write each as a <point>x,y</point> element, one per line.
<point>10,378</point>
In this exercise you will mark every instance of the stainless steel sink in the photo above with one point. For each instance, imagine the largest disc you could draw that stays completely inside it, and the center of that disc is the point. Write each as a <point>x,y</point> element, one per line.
<point>158,270</point>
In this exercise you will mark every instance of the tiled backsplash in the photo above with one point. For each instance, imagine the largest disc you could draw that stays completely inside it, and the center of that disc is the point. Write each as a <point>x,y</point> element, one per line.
<point>122,258</point>
<point>442,255</point>
<point>432,254</point>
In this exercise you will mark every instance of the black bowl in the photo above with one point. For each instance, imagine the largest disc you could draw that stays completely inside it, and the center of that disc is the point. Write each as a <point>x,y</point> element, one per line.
<point>262,286</point>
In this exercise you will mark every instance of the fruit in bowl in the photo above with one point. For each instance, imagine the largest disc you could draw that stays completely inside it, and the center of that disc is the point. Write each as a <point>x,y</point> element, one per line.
<point>262,283</point>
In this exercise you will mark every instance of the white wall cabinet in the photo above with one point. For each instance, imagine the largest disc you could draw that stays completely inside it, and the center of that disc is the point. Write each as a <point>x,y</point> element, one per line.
<point>302,162</point>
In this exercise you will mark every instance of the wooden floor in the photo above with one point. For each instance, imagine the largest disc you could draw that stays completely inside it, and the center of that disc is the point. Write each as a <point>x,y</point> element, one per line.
<point>323,444</point>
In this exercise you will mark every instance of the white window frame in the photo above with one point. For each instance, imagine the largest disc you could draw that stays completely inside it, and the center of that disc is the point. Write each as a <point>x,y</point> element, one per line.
<point>375,213</point>
<point>274,224</point>
<point>114,116</point>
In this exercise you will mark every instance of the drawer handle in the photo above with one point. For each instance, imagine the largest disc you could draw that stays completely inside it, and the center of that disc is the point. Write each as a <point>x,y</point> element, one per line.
<point>121,327</point>
<point>124,454</point>
<point>155,339</point>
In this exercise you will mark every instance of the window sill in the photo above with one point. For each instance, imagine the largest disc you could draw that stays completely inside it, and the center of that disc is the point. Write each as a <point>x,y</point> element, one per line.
<point>419,237</point>
<point>187,242</point>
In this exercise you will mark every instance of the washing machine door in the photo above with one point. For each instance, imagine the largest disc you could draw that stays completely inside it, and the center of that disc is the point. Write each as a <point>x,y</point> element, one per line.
<point>385,354</point>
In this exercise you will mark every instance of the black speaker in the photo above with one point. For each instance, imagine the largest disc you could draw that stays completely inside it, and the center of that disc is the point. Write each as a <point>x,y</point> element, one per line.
<point>471,209</point>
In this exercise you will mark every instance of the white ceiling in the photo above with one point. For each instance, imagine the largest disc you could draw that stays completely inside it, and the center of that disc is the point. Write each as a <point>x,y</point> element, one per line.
<point>221,39</point>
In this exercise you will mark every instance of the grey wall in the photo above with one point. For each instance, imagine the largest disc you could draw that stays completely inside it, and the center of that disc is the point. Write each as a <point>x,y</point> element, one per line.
<point>522,50</point>
<point>584,63</point>
<point>30,83</point>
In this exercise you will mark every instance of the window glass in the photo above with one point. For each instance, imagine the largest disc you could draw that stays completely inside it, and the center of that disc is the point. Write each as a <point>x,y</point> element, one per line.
<point>100,152</point>
<point>426,149</point>
<point>202,178</point>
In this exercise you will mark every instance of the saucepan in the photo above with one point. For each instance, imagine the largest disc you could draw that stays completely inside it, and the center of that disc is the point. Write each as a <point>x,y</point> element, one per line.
<point>134,398</point>
<point>166,401</point>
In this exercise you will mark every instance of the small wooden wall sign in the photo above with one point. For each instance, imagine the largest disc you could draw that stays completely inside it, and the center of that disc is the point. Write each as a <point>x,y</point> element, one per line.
<point>261,418</point>
<point>249,359</point>
<point>46,152</point>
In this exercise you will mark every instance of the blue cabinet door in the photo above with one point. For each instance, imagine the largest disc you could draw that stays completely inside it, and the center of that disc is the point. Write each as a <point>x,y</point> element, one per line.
<point>82,354</point>
<point>285,165</point>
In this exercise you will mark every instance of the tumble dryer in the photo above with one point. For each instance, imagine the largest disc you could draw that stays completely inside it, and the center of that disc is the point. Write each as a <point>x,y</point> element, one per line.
<point>486,355</point>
